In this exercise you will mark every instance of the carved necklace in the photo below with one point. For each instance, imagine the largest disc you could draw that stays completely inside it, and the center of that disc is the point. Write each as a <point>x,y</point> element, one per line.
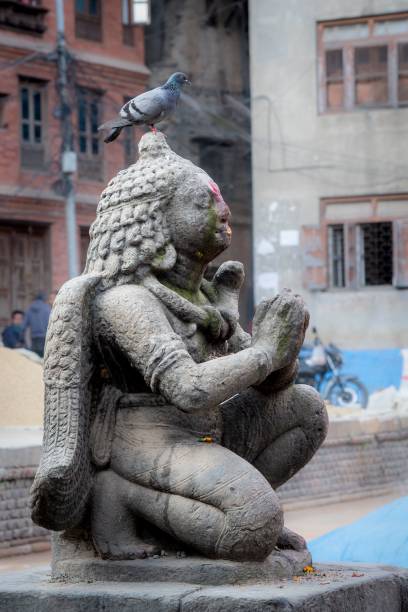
<point>217,324</point>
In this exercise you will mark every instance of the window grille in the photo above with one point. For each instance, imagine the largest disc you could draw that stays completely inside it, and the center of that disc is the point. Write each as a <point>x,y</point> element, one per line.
<point>377,253</point>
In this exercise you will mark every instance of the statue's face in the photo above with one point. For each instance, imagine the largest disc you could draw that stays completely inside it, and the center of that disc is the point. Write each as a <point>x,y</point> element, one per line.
<point>198,218</point>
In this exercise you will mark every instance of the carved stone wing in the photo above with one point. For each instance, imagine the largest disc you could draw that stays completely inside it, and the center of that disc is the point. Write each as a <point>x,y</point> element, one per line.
<point>64,477</point>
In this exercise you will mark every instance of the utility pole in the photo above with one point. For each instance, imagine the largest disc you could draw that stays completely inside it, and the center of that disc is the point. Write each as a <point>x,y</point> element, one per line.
<point>68,155</point>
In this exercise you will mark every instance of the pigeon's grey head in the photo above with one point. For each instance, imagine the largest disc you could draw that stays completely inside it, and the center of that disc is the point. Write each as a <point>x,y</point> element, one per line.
<point>178,79</point>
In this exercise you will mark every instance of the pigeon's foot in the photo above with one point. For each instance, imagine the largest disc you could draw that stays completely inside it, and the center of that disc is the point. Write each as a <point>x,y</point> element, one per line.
<point>154,130</point>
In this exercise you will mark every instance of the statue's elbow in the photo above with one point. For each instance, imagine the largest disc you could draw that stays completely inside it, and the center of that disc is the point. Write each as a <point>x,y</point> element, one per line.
<point>191,399</point>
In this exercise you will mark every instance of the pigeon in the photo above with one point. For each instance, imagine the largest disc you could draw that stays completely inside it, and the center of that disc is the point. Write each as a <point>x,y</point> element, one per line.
<point>149,108</point>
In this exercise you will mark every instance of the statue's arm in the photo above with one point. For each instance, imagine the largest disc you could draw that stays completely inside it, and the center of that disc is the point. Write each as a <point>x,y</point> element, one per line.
<point>132,318</point>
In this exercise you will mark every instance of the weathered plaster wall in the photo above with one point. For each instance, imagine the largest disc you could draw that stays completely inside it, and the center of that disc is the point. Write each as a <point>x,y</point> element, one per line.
<point>300,156</point>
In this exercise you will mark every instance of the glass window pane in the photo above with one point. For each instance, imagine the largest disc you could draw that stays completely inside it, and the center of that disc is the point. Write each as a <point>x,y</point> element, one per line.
<point>370,65</point>
<point>25,132</point>
<point>335,95</point>
<point>95,146</point>
<point>80,6</point>
<point>94,117</point>
<point>37,106</point>
<point>82,115</point>
<point>392,26</point>
<point>82,144</point>
<point>24,103</point>
<point>37,133</point>
<point>403,56</point>
<point>140,12</point>
<point>94,7</point>
<point>370,60</point>
<point>392,208</point>
<point>334,63</point>
<point>345,32</point>
<point>337,256</point>
<point>372,92</point>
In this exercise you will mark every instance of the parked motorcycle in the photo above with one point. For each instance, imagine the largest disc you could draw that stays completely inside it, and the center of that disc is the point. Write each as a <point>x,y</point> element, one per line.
<point>320,367</point>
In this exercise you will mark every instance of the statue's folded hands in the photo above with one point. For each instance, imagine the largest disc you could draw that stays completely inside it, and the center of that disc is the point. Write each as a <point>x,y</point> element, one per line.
<point>134,320</point>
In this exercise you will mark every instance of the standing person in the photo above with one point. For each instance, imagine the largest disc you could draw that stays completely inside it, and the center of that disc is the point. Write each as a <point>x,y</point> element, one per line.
<point>36,319</point>
<point>13,334</point>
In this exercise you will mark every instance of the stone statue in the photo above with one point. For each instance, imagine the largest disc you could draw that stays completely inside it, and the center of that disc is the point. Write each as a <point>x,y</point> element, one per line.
<point>164,420</point>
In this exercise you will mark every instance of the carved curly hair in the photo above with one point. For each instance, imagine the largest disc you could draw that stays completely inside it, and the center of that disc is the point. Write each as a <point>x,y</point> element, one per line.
<point>129,236</point>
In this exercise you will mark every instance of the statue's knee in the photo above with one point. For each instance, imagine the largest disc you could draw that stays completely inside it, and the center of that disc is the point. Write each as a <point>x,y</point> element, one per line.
<point>252,530</point>
<point>313,410</point>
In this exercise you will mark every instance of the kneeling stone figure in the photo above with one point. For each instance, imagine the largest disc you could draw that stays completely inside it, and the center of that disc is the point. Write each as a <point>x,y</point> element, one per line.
<point>164,420</point>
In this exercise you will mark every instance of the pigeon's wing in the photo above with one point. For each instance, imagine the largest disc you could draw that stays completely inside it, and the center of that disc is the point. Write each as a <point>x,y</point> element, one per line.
<point>64,477</point>
<point>145,108</point>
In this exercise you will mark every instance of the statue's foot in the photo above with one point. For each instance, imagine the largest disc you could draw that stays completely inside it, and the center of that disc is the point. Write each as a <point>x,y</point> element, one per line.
<point>114,528</point>
<point>290,539</point>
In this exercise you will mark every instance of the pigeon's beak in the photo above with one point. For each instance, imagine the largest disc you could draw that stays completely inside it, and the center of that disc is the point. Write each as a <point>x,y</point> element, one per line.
<point>187,82</point>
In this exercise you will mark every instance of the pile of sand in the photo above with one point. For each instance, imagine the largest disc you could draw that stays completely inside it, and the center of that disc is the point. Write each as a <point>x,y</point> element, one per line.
<point>21,390</point>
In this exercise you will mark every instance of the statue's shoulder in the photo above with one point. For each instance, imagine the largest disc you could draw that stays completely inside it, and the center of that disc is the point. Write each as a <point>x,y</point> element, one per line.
<point>124,298</point>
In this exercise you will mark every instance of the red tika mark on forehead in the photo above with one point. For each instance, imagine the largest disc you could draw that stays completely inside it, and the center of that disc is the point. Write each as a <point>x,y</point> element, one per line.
<point>216,191</point>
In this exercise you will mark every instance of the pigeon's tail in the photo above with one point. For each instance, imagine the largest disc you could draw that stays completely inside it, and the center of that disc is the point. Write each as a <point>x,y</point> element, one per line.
<point>115,127</point>
<point>113,134</point>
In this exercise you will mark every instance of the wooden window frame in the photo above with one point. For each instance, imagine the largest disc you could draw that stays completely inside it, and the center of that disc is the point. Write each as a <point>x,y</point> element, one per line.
<point>348,47</point>
<point>33,154</point>
<point>90,165</point>
<point>88,26</point>
<point>352,228</point>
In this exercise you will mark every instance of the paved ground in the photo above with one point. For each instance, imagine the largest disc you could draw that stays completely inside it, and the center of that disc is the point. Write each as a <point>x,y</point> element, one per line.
<point>311,522</point>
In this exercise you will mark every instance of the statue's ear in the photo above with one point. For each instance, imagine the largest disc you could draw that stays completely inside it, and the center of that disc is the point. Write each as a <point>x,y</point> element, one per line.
<point>165,258</point>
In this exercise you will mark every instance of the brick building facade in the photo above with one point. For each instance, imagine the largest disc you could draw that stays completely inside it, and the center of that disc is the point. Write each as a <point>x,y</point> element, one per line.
<point>106,66</point>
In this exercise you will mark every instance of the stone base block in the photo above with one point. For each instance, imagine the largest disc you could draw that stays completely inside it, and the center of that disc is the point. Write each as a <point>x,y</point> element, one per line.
<point>355,588</point>
<point>191,570</point>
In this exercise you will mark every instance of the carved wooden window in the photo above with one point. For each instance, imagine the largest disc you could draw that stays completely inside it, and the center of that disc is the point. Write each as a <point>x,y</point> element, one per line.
<point>359,243</point>
<point>32,124</point>
<point>363,63</point>
<point>26,16</point>
<point>90,162</point>
<point>88,19</point>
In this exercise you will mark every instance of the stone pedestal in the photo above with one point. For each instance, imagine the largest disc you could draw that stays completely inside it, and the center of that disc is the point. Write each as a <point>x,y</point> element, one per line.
<point>191,570</point>
<point>351,588</point>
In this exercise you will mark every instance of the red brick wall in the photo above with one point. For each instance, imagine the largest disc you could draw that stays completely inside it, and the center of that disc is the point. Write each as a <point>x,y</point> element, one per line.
<point>31,196</point>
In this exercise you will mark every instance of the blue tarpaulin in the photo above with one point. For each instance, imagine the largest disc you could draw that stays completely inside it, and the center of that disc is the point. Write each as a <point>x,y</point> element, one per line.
<point>379,537</point>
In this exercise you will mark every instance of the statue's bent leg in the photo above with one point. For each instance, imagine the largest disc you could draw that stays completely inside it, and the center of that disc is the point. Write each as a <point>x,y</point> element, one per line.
<point>201,494</point>
<point>277,434</point>
<point>113,523</point>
